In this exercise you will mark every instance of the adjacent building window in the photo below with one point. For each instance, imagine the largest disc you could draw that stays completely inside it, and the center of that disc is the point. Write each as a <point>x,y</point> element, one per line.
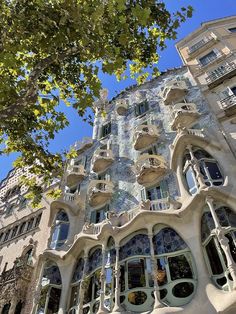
<point>214,254</point>
<point>155,194</point>
<point>141,108</point>
<point>60,230</point>
<point>199,160</point>
<point>106,129</point>
<point>208,58</point>
<point>232,29</point>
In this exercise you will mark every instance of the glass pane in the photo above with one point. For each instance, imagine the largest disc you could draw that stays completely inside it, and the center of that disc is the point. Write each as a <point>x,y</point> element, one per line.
<point>94,260</point>
<point>64,228</point>
<point>231,246</point>
<point>137,297</point>
<point>138,245</point>
<point>62,216</point>
<point>109,277</point>
<point>97,284</point>
<point>161,271</point>
<point>213,257</point>
<point>88,291</point>
<point>154,193</point>
<point>189,175</point>
<point>136,274</point>
<point>179,267</point>
<point>207,225</point>
<point>74,295</point>
<point>78,270</point>
<point>183,289</point>
<point>54,300</point>
<point>167,241</point>
<point>213,170</point>
<point>149,272</point>
<point>122,278</point>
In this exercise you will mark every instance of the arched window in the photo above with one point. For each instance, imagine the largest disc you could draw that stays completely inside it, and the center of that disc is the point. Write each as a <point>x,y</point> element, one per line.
<point>51,289</point>
<point>6,308</point>
<point>175,268</point>
<point>214,254</point>
<point>92,281</point>
<point>60,230</point>
<point>198,161</point>
<point>75,285</point>
<point>136,284</point>
<point>28,256</point>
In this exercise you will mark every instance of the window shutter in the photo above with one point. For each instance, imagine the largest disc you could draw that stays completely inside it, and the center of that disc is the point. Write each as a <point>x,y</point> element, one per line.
<point>146,105</point>
<point>143,194</point>
<point>107,177</point>
<point>136,110</point>
<point>164,189</point>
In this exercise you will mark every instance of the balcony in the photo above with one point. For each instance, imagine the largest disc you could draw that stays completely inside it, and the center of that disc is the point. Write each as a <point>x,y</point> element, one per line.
<point>102,159</point>
<point>83,145</point>
<point>174,91</point>
<point>150,168</point>
<point>72,201</point>
<point>223,72</point>
<point>229,104</point>
<point>100,191</point>
<point>75,174</point>
<point>21,273</point>
<point>201,45</point>
<point>184,115</point>
<point>145,135</point>
<point>122,106</point>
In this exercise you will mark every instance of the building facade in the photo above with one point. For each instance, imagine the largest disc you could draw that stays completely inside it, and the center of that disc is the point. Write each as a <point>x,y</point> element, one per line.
<point>146,222</point>
<point>23,231</point>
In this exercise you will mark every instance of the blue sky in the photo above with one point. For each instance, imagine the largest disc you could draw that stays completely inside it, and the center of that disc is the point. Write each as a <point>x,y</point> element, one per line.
<point>204,10</point>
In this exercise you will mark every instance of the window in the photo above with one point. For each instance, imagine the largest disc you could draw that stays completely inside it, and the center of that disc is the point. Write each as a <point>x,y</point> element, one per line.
<point>22,202</point>
<point>232,29</point>
<point>208,168</point>
<point>211,56</point>
<point>99,215</point>
<point>155,195</point>
<point>214,254</point>
<point>92,293</point>
<point>60,230</point>
<point>6,237</point>
<point>37,221</point>
<point>174,264</point>
<point>9,209</point>
<point>141,108</point>
<point>51,290</point>
<point>106,129</point>
<point>14,231</point>
<point>30,224</point>
<point>22,228</point>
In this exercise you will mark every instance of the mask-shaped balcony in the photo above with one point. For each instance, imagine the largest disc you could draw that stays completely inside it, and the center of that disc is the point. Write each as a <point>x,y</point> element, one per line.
<point>102,159</point>
<point>174,91</point>
<point>184,115</point>
<point>150,168</point>
<point>122,106</point>
<point>145,135</point>
<point>84,144</point>
<point>75,174</point>
<point>100,191</point>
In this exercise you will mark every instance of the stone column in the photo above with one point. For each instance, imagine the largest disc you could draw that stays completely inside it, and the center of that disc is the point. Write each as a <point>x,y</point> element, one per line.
<point>82,286</point>
<point>196,168</point>
<point>37,292</point>
<point>65,271</point>
<point>102,308</point>
<point>223,240</point>
<point>157,303</point>
<point>13,306</point>
<point>117,307</point>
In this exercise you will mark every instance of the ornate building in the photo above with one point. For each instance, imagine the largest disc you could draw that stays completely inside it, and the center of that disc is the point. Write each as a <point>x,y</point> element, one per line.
<point>22,239</point>
<point>147,219</point>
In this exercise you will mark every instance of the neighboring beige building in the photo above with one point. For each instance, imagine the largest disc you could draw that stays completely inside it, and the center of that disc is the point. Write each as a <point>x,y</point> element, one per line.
<point>210,53</point>
<point>23,234</point>
<point>146,222</point>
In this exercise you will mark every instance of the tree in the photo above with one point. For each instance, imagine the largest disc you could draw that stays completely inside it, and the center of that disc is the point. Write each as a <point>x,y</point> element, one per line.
<point>52,50</point>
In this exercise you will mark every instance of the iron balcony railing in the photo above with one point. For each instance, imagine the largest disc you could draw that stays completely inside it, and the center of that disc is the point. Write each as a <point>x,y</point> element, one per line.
<point>228,102</point>
<point>220,72</point>
<point>200,44</point>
